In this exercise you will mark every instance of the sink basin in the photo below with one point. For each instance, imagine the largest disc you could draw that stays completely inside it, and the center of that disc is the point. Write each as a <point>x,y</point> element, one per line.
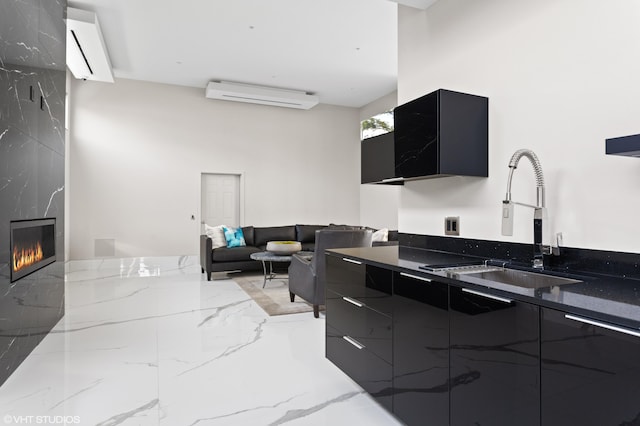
<point>518,278</point>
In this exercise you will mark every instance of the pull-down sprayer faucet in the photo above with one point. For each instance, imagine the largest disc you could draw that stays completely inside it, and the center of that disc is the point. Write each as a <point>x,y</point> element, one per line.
<point>540,211</point>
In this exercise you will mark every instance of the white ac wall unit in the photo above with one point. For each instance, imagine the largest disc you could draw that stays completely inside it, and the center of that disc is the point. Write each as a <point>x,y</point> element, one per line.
<point>87,56</point>
<point>240,92</point>
<point>418,4</point>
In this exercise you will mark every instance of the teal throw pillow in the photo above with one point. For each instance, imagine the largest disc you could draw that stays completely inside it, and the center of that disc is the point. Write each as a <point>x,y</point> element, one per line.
<point>234,237</point>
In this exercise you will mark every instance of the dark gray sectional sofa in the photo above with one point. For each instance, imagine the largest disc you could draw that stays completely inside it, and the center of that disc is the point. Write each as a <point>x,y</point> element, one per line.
<point>224,259</point>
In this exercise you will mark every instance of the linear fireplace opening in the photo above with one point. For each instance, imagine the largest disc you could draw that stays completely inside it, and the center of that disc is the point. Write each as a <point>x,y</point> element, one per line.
<point>33,246</point>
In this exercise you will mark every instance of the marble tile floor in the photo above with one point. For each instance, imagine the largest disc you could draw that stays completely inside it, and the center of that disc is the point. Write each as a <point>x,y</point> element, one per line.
<point>148,341</point>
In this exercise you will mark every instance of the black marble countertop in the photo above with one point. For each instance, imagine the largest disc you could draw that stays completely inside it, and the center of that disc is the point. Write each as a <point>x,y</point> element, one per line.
<point>615,300</point>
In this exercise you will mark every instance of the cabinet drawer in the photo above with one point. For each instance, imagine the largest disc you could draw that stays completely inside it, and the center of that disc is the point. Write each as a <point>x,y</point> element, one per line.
<point>367,326</point>
<point>368,284</point>
<point>372,373</point>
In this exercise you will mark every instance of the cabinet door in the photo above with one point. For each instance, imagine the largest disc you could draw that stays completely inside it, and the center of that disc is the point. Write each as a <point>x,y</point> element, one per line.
<point>590,374</point>
<point>354,319</point>
<point>495,368</point>
<point>376,158</point>
<point>420,350</point>
<point>368,284</point>
<point>416,137</point>
<point>363,366</point>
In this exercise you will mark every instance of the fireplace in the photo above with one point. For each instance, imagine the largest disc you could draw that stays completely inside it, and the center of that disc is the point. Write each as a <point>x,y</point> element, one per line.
<point>33,246</point>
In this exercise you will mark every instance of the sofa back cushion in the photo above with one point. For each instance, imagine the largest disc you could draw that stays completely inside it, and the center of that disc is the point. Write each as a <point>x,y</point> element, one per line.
<point>273,233</point>
<point>248,235</point>
<point>307,233</point>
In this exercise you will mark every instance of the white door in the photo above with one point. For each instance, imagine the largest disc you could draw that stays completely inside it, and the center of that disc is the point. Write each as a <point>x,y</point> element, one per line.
<point>220,199</point>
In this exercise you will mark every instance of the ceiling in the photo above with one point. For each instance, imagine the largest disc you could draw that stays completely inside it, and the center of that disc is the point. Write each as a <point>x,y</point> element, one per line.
<point>343,51</point>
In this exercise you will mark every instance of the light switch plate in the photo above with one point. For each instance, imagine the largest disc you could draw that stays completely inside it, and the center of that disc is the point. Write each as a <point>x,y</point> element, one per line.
<point>452,225</point>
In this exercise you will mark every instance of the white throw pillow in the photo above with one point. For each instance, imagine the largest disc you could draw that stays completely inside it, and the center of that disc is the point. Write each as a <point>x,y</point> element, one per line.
<point>381,235</point>
<point>216,233</point>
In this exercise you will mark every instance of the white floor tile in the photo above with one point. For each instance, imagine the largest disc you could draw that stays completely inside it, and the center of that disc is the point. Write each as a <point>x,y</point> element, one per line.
<point>148,341</point>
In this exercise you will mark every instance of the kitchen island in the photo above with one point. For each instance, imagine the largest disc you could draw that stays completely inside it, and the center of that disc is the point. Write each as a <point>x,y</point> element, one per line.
<point>437,346</point>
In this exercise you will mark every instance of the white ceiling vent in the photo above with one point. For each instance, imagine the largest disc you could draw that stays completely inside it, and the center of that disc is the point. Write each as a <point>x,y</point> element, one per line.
<point>87,56</point>
<point>241,92</point>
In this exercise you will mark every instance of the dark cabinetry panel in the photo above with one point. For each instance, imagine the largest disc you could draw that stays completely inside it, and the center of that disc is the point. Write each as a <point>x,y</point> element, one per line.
<point>371,328</point>
<point>377,156</point>
<point>495,368</point>
<point>420,350</point>
<point>359,328</point>
<point>368,284</point>
<point>442,133</point>
<point>365,368</point>
<point>590,374</point>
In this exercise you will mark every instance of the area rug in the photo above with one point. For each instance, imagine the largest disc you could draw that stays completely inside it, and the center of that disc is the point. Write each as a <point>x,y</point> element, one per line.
<point>274,297</point>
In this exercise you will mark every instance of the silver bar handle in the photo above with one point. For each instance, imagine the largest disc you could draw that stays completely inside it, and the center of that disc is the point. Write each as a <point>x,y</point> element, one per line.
<point>415,277</point>
<point>353,302</point>
<point>354,342</point>
<point>488,296</point>
<point>395,179</point>
<point>603,325</point>
<point>351,261</point>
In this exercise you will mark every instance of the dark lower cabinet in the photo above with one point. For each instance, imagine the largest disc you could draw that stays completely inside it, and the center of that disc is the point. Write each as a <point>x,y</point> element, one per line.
<point>495,368</point>
<point>359,326</point>
<point>368,370</point>
<point>438,354</point>
<point>590,374</point>
<point>420,350</point>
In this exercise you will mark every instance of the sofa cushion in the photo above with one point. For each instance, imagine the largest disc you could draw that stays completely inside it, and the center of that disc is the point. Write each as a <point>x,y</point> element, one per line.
<point>337,227</point>
<point>381,235</point>
<point>233,254</point>
<point>309,246</point>
<point>307,233</point>
<point>248,235</point>
<point>216,233</point>
<point>234,236</point>
<point>273,233</point>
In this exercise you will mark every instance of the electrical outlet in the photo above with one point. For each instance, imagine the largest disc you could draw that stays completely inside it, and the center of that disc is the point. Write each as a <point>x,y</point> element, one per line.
<point>452,225</point>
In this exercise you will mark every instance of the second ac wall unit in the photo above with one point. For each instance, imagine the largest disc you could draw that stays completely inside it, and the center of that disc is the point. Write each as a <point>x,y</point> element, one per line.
<point>239,92</point>
<point>87,56</point>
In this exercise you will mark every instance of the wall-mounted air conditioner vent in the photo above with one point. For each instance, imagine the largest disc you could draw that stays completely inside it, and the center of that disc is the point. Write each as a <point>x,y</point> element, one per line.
<point>240,92</point>
<point>87,56</point>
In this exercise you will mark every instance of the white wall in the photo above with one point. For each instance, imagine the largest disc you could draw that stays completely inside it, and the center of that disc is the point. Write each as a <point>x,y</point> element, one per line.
<point>137,151</point>
<point>561,77</point>
<point>379,203</point>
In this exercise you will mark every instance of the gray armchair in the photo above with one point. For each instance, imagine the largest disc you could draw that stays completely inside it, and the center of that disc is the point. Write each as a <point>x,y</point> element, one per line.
<point>307,275</point>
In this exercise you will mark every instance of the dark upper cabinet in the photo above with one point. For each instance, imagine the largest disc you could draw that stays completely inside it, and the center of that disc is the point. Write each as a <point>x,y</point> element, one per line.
<point>420,350</point>
<point>495,364</point>
<point>377,160</point>
<point>590,374</point>
<point>440,134</point>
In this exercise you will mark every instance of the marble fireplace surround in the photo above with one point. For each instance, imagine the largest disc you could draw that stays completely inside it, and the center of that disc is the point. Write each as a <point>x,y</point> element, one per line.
<point>32,158</point>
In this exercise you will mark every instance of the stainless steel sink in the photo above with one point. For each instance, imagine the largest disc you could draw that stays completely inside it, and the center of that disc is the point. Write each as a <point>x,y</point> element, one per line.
<point>518,278</point>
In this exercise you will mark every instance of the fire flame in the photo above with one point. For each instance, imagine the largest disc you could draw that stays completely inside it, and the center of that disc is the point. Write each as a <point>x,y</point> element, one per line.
<point>26,256</point>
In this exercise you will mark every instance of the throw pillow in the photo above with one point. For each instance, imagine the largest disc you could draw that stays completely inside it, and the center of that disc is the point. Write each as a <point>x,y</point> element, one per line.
<point>381,235</point>
<point>234,237</point>
<point>216,233</point>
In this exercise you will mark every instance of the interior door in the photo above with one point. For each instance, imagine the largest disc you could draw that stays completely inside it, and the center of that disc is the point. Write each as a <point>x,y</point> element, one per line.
<point>220,199</point>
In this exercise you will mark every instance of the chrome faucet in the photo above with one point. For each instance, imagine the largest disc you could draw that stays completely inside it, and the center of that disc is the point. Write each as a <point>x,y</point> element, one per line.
<point>540,211</point>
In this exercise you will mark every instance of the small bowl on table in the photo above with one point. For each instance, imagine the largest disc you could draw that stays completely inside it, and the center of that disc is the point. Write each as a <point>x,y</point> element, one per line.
<point>283,248</point>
